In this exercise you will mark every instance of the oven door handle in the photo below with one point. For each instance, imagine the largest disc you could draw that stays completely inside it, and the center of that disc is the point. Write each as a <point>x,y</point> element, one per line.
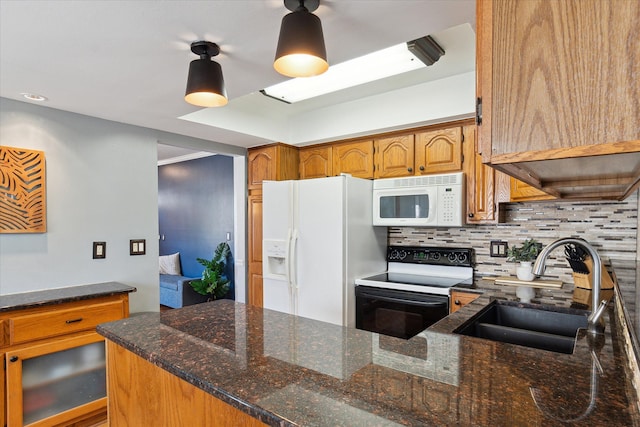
<point>440,303</point>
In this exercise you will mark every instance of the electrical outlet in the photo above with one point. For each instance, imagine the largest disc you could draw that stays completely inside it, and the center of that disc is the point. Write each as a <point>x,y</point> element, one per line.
<point>99,250</point>
<point>498,249</point>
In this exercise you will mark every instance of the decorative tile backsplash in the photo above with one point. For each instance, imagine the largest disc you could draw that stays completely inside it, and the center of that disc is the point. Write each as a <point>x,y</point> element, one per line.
<point>611,227</point>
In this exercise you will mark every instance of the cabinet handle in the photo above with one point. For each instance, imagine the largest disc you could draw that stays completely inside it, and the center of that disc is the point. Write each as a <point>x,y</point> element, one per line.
<point>471,215</point>
<point>410,169</point>
<point>79,319</point>
<point>421,168</point>
<point>457,302</point>
<point>13,359</point>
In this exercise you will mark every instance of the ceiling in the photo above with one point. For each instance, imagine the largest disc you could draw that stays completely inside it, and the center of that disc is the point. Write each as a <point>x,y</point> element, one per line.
<point>127,61</point>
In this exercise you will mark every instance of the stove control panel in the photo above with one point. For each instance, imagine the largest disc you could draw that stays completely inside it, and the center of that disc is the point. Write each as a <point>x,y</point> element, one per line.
<point>430,255</point>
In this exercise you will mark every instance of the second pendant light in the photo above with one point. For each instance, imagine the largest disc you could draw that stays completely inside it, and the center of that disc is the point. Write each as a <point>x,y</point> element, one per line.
<point>301,51</point>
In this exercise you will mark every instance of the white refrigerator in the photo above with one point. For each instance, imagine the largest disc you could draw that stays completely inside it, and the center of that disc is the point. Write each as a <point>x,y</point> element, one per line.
<point>318,237</point>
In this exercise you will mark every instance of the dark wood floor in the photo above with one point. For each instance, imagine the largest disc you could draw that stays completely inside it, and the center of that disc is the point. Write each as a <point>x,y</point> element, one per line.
<point>164,308</point>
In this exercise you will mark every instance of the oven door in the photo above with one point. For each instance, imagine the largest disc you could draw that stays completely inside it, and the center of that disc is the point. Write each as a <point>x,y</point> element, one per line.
<point>401,314</point>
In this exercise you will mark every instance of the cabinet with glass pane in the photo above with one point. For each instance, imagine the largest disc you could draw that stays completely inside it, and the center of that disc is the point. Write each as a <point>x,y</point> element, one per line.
<point>57,382</point>
<point>55,366</point>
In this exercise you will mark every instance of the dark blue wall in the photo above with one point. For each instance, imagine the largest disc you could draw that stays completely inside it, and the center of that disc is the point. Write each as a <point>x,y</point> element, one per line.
<point>195,209</point>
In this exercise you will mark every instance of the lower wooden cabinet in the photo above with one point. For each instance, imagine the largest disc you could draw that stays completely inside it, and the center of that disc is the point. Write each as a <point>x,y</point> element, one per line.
<point>54,362</point>
<point>57,383</point>
<point>142,394</point>
<point>460,299</point>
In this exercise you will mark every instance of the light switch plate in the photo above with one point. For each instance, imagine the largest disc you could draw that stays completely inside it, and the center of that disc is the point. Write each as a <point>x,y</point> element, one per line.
<point>498,249</point>
<point>137,247</point>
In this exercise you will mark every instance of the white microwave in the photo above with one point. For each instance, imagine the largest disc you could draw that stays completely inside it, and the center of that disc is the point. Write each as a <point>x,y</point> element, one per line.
<point>422,201</point>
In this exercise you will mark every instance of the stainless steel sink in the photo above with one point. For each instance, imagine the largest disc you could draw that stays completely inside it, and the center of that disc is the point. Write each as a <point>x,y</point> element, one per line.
<point>538,327</point>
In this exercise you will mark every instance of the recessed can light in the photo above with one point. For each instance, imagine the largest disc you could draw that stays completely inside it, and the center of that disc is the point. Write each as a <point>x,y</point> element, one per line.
<point>34,97</point>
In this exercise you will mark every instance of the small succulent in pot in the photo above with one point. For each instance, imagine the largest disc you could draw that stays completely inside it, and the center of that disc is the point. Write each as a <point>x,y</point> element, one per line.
<point>528,252</point>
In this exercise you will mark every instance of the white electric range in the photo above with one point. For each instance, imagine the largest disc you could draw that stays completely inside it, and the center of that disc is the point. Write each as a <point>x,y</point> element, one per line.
<point>414,292</point>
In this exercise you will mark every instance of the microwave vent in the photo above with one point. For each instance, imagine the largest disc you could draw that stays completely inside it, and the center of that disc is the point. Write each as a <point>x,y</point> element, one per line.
<point>420,181</point>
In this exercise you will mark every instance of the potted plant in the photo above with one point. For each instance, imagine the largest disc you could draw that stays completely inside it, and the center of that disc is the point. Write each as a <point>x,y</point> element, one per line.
<point>525,255</point>
<point>214,283</point>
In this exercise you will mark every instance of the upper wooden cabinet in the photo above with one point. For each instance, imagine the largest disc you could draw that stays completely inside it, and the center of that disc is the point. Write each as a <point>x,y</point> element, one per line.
<point>275,162</point>
<point>559,94</point>
<point>316,162</point>
<point>521,192</point>
<point>394,156</point>
<point>355,158</point>
<point>438,151</point>
<point>486,187</point>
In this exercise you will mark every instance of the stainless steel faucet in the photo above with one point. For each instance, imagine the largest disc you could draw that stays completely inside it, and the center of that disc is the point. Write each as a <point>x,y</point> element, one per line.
<point>595,321</point>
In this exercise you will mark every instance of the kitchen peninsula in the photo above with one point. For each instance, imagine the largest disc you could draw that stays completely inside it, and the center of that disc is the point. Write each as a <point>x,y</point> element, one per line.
<point>230,360</point>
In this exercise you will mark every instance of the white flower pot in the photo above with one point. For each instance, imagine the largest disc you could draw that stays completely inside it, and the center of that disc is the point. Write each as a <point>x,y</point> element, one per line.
<point>525,271</point>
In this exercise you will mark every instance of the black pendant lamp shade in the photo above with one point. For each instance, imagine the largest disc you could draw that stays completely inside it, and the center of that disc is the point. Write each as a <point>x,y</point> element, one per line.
<point>301,51</point>
<point>205,84</point>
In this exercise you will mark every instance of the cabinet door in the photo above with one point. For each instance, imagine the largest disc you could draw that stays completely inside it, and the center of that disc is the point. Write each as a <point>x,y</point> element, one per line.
<point>524,192</point>
<point>355,158</point>
<point>460,299</point>
<point>481,206</point>
<point>439,151</point>
<point>3,384</point>
<point>316,162</point>
<point>254,214</point>
<point>394,156</point>
<point>261,166</point>
<point>481,188</point>
<point>559,110</point>
<point>56,381</point>
<point>546,88</point>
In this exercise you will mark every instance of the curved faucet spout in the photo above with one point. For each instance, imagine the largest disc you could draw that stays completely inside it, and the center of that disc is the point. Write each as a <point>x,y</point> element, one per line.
<point>596,324</point>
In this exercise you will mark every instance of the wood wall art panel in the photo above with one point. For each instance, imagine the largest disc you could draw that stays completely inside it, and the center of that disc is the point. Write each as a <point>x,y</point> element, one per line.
<point>22,191</point>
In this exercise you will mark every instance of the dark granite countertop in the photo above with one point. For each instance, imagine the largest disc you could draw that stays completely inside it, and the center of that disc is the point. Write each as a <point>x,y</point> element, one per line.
<point>288,370</point>
<point>25,300</point>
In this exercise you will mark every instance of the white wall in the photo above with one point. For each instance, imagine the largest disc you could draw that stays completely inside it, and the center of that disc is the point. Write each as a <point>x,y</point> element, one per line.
<point>240,227</point>
<point>438,101</point>
<point>102,185</point>
<point>435,101</point>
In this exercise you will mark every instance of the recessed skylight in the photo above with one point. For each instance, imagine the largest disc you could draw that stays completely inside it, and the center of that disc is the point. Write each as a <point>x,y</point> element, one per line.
<point>34,97</point>
<point>374,66</point>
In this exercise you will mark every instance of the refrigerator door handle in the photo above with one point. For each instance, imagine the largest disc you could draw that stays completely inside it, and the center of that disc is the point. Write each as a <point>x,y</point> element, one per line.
<point>293,259</point>
<point>287,260</point>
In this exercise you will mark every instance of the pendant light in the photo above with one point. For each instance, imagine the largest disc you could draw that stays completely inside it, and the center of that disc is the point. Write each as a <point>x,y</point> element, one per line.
<point>205,84</point>
<point>301,51</point>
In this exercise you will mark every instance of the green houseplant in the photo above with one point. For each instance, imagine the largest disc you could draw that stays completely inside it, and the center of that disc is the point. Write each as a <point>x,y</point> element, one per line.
<point>528,252</point>
<point>214,283</point>
<point>525,255</point>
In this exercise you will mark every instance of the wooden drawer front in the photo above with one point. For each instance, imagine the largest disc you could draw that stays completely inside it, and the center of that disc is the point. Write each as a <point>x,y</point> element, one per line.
<point>53,322</point>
